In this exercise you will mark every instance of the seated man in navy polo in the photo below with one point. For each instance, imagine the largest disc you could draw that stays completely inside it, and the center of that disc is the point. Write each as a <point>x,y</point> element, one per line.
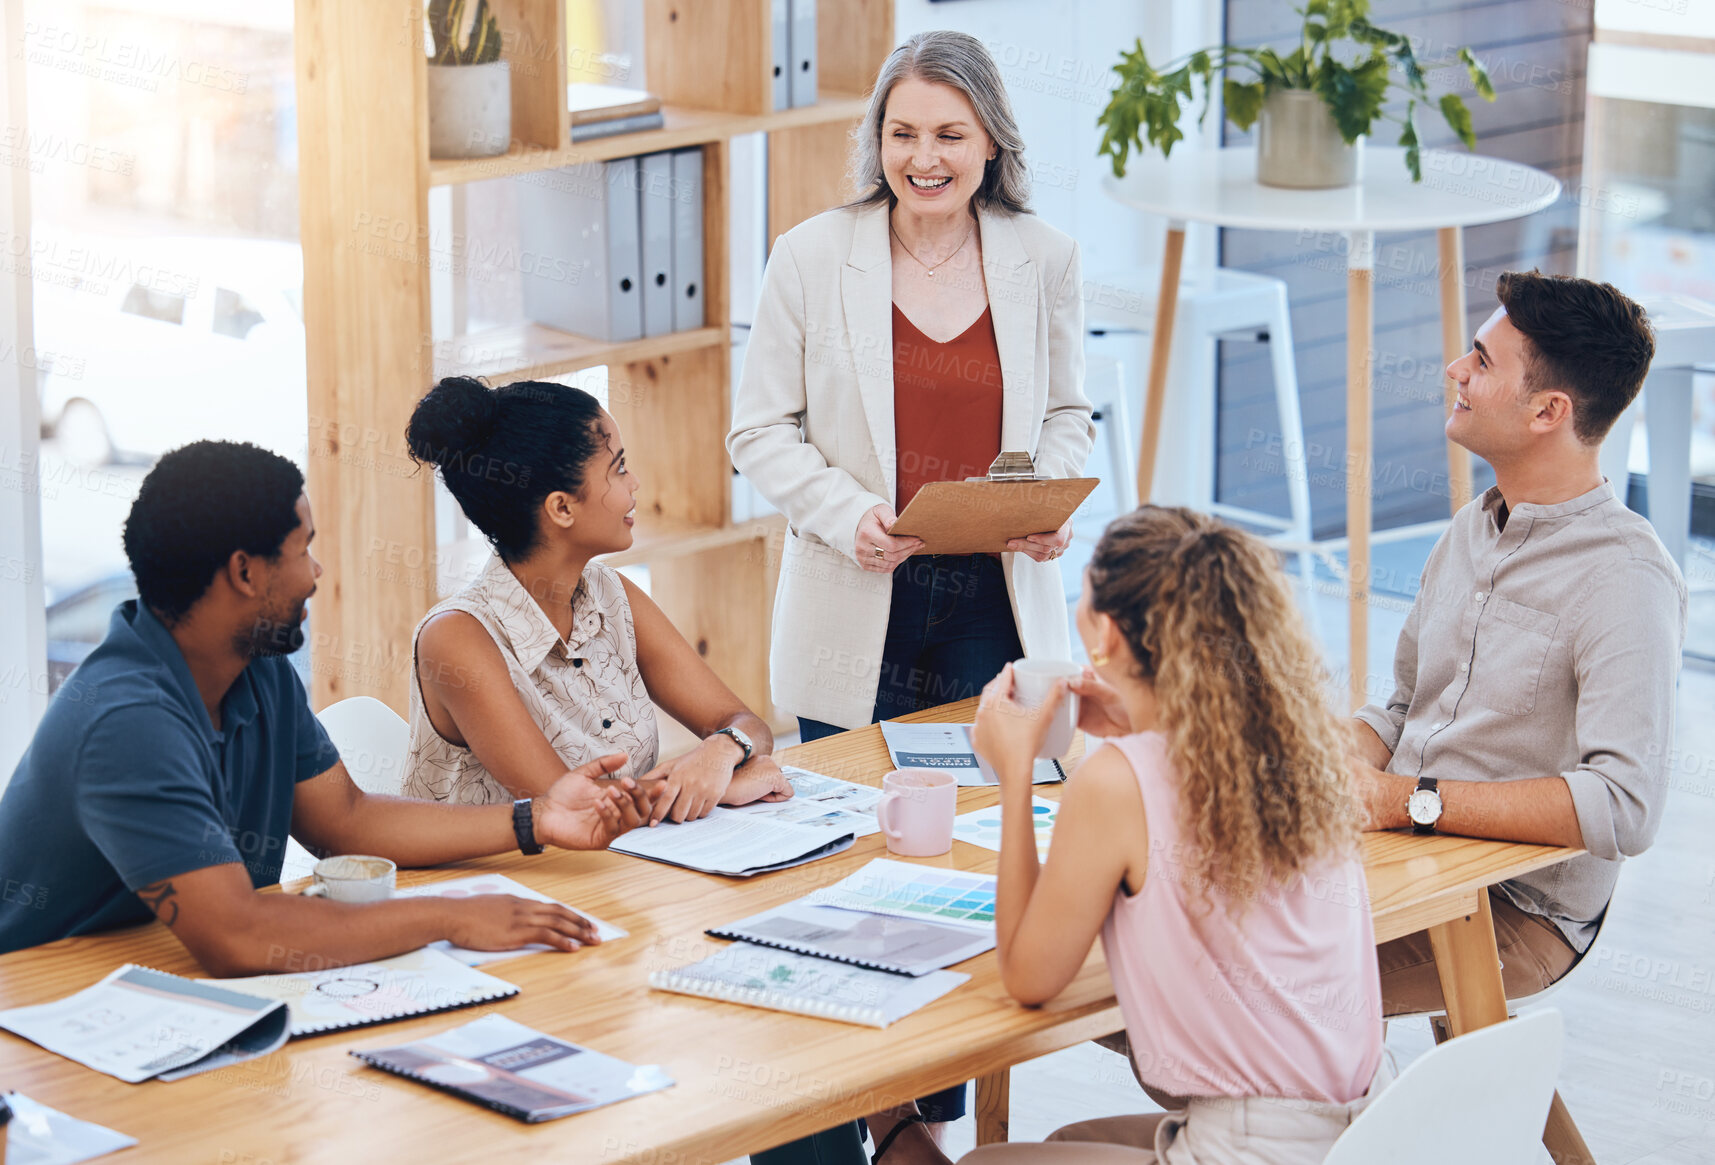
<point>166,775</point>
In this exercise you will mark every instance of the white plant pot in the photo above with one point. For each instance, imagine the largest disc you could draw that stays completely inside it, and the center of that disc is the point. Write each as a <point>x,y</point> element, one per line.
<point>470,110</point>
<point>1299,146</point>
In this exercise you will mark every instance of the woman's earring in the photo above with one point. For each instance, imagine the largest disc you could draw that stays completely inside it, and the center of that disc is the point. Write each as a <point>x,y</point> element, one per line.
<point>1099,658</point>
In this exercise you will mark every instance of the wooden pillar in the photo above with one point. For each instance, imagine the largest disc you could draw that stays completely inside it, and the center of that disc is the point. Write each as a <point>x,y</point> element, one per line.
<point>1451,243</point>
<point>363,185</point>
<point>1360,300</point>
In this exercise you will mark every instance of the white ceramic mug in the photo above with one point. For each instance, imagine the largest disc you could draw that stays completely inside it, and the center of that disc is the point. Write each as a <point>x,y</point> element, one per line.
<point>1031,681</point>
<point>353,878</point>
<point>916,811</point>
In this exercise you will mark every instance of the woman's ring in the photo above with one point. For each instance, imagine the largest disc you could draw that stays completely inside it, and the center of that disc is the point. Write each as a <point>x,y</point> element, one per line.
<point>879,552</point>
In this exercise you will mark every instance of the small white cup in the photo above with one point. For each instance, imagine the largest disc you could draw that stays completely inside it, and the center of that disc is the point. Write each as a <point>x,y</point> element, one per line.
<point>353,878</point>
<point>1032,679</point>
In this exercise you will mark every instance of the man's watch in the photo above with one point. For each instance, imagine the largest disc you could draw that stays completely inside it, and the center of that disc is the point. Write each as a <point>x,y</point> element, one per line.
<point>524,826</point>
<point>741,740</point>
<point>1424,806</point>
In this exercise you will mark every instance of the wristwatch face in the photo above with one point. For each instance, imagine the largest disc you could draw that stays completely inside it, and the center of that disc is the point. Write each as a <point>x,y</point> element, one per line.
<point>1424,807</point>
<point>741,740</point>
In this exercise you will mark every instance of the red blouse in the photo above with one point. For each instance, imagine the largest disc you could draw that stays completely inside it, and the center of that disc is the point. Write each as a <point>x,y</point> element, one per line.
<point>946,404</point>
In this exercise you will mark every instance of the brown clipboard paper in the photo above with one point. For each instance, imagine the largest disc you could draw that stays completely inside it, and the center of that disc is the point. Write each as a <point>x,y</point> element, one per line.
<point>979,516</point>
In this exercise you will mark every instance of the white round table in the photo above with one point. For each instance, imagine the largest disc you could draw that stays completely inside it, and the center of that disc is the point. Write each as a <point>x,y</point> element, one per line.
<point>1220,187</point>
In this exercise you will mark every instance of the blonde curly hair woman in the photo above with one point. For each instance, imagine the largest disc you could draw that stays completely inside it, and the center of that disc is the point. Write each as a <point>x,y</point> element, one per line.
<point>1213,845</point>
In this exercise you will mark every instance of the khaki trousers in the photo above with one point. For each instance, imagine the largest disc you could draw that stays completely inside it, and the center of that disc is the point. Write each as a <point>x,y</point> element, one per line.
<point>1211,1130</point>
<point>1533,954</point>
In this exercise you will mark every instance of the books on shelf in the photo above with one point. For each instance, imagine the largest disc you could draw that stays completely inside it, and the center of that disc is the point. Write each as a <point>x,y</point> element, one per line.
<point>760,976</point>
<point>140,1024</point>
<point>949,747</point>
<point>419,982</point>
<point>517,1070</point>
<point>600,111</point>
<point>880,942</point>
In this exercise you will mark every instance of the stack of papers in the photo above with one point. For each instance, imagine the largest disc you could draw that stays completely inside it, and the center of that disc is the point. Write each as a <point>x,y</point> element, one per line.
<point>498,884</point>
<point>824,817</point>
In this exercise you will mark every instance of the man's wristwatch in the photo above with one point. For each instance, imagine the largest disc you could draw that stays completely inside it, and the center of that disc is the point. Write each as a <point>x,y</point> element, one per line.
<point>741,740</point>
<point>524,826</point>
<point>1424,806</point>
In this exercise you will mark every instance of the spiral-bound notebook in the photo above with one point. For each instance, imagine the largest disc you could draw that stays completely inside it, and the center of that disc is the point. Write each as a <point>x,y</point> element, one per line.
<point>420,982</point>
<point>903,946</point>
<point>782,981</point>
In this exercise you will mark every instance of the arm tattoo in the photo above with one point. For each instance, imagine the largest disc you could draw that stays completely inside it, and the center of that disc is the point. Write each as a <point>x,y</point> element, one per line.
<point>162,898</point>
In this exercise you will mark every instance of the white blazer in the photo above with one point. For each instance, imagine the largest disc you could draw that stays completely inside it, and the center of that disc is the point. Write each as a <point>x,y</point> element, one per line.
<point>813,431</point>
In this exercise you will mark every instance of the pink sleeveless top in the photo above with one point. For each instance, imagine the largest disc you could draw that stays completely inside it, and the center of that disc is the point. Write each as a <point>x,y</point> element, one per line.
<point>1284,1001</point>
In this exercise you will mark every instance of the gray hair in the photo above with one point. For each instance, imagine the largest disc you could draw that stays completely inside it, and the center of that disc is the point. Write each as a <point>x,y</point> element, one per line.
<point>960,60</point>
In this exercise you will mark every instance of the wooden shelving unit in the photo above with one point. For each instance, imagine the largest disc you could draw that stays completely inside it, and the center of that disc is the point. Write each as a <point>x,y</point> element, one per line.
<point>363,148</point>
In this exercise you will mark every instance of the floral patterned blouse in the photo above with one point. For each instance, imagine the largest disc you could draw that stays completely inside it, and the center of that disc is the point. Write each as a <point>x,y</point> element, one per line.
<point>584,692</point>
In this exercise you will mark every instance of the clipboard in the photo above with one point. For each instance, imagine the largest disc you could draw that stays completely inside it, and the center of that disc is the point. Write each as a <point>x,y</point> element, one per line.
<point>980,514</point>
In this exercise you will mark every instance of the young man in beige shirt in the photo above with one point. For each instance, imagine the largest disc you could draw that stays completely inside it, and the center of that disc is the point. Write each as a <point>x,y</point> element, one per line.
<point>1535,675</point>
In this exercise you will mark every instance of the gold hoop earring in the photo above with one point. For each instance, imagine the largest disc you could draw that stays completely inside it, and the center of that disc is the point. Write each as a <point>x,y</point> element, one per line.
<point>1099,658</point>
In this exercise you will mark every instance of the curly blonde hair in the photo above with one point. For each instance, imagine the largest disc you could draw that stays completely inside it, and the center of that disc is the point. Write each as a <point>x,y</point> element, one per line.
<point>1239,688</point>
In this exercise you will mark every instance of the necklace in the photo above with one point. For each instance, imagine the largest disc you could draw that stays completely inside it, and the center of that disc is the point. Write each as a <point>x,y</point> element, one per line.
<point>927,269</point>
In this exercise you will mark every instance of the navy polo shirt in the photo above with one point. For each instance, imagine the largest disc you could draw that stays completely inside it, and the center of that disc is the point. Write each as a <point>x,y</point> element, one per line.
<point>127,783</point>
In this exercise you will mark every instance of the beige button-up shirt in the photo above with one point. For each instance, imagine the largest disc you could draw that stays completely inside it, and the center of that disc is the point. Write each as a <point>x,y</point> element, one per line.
<point>584,692</point>
<point>1546,641</point>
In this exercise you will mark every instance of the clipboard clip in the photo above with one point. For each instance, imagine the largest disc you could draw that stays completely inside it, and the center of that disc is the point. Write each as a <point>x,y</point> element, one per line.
<point>1014,465</point>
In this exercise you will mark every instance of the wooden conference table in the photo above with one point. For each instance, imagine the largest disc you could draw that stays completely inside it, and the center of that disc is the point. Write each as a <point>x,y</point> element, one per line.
<point>747,1078</point>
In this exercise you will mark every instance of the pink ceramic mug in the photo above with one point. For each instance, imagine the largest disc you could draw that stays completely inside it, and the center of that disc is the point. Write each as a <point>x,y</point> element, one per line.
<point>916,811</point>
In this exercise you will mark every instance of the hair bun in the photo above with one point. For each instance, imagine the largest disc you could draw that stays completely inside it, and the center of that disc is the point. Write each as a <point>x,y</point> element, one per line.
<point>458,416</point>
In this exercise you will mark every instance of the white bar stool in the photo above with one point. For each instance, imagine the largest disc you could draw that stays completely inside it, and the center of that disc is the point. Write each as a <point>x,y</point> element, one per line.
<point>1210,305</point>
<point>1105,385</point>
<point>1684,339</point>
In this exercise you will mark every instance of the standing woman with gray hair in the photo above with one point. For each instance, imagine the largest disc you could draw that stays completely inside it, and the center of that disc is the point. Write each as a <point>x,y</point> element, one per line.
<point>908,337</point>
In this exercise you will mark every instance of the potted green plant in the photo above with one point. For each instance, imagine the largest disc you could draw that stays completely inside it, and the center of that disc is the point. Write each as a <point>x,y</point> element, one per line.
<point>1310,106</point>
<point>470,87</point>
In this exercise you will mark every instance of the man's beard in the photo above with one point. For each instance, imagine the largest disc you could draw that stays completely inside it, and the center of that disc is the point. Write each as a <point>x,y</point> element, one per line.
<point>276,633</point>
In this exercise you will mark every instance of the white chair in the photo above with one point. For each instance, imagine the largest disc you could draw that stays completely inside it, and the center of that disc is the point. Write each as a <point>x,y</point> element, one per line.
<point>1684,339</point>
<point>1211,305</point>
<point>1478,1099</point>
<point>374,743</point>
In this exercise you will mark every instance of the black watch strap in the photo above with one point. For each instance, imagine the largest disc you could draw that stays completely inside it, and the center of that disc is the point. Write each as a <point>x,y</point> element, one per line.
<point>524,826</point>
<point>1426,785</point>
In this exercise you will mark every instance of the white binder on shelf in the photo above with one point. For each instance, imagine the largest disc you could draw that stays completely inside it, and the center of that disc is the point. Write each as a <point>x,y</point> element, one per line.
<point>803,44</point>
<point>687,189</point>
<point>782,41</point>
<point>582,225</point>
<point>656,215</point>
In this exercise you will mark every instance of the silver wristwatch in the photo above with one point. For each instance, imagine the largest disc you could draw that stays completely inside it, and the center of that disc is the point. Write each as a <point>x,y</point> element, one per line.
<point>742,741</point>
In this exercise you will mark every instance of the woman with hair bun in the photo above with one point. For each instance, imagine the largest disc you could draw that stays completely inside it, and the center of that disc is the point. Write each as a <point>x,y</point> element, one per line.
<point>550,658</point>
<point>1212,843</point>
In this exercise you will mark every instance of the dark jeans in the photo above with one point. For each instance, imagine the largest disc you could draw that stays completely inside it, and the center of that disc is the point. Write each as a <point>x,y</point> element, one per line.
<point>949,632</point>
